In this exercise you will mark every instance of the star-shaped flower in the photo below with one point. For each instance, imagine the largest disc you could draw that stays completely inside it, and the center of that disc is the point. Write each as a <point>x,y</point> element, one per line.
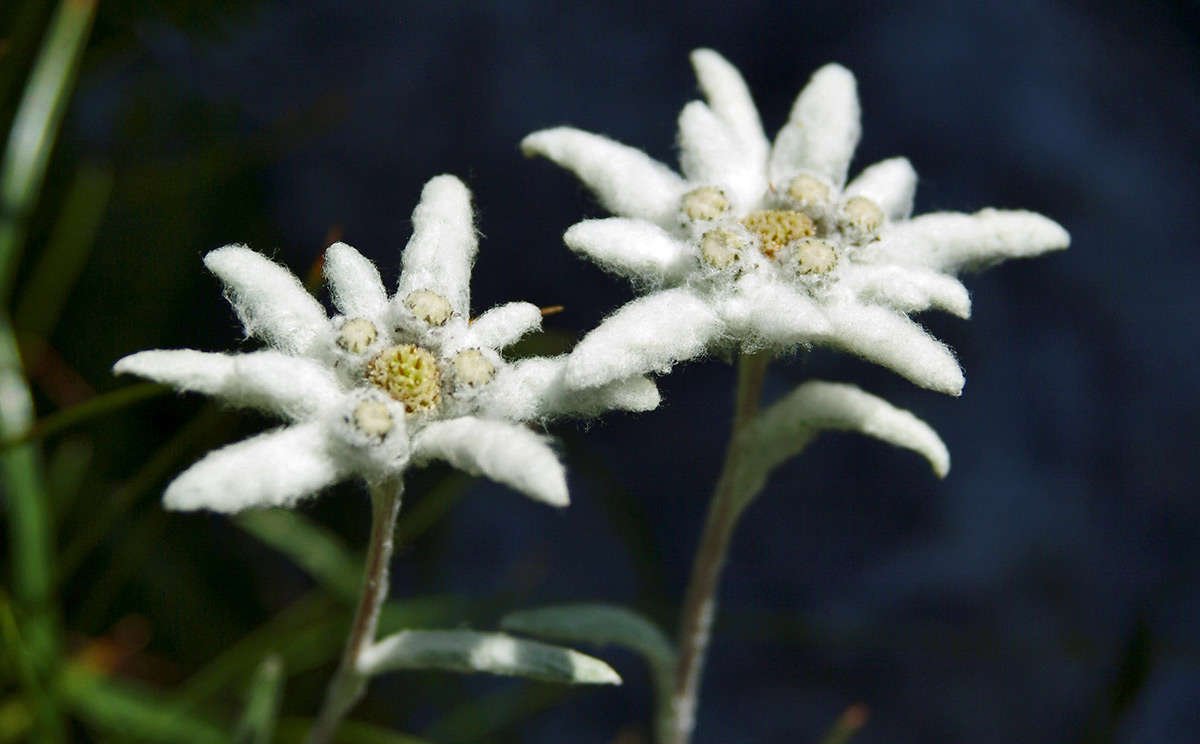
<point>384,384</point>
<point>762,245</point>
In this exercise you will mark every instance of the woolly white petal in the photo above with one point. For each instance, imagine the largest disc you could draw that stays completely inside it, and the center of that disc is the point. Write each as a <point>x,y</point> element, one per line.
<point>504,325</point>
<point>504,452</point>
<point>354,282</point>
<point>822,130</point>
<point>953,242</point>
<point>730,100</point>
<point>291,386</point>
<point>274,469</point>
<point>439,255</point>
<point>269,300</point>
<point>891,339</point>
<point>649,334</point>
<point>627,182</point>
<point>908,289</point>
<point>534,389</point>
<point>786,427</point>
<point>636,249</point>
<point>772,314</point>
<point>890,183</point>
<point>709,154</point>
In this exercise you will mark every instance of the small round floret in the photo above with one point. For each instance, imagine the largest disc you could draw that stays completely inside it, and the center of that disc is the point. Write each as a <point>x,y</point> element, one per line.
<point>472,368</point>
<point>721,247</point>
<point>371,417</point>
<point>357,335</point>
<point>812,256</point>
<point>705,203</point>
<point>428,306</point>
<point>810,195</point>
<point>860,219</point>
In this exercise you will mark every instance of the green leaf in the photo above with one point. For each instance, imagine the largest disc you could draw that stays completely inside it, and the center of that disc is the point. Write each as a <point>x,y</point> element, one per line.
<point>101,405</point>
<point>594,623</point>
<point>316,550</point>
<point>129,711</point>
<point>494,653</point>
<point>257,725</point>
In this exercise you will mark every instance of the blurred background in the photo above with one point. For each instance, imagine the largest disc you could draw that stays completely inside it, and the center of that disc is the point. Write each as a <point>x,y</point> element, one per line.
<point>1048,590</point>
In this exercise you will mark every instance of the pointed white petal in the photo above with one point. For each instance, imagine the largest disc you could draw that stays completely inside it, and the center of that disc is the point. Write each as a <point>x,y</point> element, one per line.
<point>504,452</point>
<point>771,314</point>
<point>627,182</point>
<point>533,389</point>
<point>647,335</point>
<point>270,301</point>
<point>274,469</point>
<point>954,242</point>
<point>636,249</point>
<point>290,386</point>
<point>354,283</point>
<point>908,289</point>
<point>504,325</point>
<point>889,338</point>
<point>890,183</point>
<point>494,653</point>
<point>439,255</point>
<point>784,429</point>
<point>709,154</point>
<point>730,100</point>
<point>822,130</point>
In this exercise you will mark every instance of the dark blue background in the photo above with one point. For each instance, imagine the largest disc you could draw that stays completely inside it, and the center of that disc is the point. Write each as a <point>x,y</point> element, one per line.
<point>999,605</point>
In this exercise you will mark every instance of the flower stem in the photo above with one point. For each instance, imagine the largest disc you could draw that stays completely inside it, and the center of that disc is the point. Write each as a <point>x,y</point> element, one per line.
<point>348,685</point>
<point>699,604</point>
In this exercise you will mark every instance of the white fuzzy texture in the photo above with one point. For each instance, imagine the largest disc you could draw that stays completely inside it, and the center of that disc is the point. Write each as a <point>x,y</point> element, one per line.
<point>495,653</point>
<point>747,299</point>
<point>439,256</point>
<point>354,283</point>
<point>292,387</point>
<point>953,242</point>
<point>891,183</point>
<point>783,430</point>
<point>822,130</point>
<point>504,325</point>
<point>274,469</point>
<point>269,300</point>
<point>649,334</point>
<point>625,180</point>
<point>344,420</point>
<point>641,251</point>
<point>504,452</point>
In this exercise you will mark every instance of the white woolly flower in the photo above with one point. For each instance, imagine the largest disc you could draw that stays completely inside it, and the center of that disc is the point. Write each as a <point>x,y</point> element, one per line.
<point>384,384</point>
<point>761,245</point>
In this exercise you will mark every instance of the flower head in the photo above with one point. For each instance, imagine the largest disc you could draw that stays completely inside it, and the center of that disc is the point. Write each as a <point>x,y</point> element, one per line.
<point>765,245</point>
<point>386,383</point>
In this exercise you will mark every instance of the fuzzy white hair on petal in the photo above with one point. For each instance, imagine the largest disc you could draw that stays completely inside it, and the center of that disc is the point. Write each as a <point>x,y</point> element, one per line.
<point>891,183</point>
<point>439,256</point>
<point>956,242</point>
<point>908,289</point>
<point>889,338</point>
<point>822,130</point>
<point>504,325</point>
<point>730,99</point>
<point>641,251</point>
<point>354,283</point>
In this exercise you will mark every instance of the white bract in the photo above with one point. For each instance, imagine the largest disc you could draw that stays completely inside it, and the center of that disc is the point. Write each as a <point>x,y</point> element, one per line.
<point>384,384</point>
<point>761,245</point>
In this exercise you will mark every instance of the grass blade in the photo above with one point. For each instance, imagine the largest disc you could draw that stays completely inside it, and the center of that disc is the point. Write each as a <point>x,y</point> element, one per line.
<point>101,405</point>
<point>257,725</point>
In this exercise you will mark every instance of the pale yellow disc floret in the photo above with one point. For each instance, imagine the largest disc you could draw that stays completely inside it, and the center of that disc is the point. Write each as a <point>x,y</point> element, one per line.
<point>472,368</point>
<point>776,228</point>
<point>860,219</point>
<point>809,194</point>
<point>409,374</point>
<point>372,418</point>
<point>813,256</point>
<point>428,306</point>
<point>705,203</point>
<point>357,335</point>
<point>721,247</point>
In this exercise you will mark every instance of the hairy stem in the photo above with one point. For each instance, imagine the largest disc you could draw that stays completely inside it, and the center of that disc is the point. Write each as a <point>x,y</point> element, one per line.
<point>347,685</point>
<point>699,604</point>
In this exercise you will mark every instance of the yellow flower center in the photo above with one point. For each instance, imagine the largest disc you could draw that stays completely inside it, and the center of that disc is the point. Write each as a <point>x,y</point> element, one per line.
<point>776,228</point>
<point>409,374</point>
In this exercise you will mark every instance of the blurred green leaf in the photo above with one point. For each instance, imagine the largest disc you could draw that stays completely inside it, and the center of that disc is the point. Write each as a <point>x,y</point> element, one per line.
<point>319,552</point>
<point>257,725</point>
<point>67,250</point>
<point>66,470</point>
<point>432,507</point>
<point>101,405</point>
<point>129,711</point>
<point>594,623</point>
<point>494,653</point>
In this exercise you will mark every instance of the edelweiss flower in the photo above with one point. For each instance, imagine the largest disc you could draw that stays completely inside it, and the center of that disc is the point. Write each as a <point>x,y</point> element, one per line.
<point>766,246</point>
<point>386,383</point>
